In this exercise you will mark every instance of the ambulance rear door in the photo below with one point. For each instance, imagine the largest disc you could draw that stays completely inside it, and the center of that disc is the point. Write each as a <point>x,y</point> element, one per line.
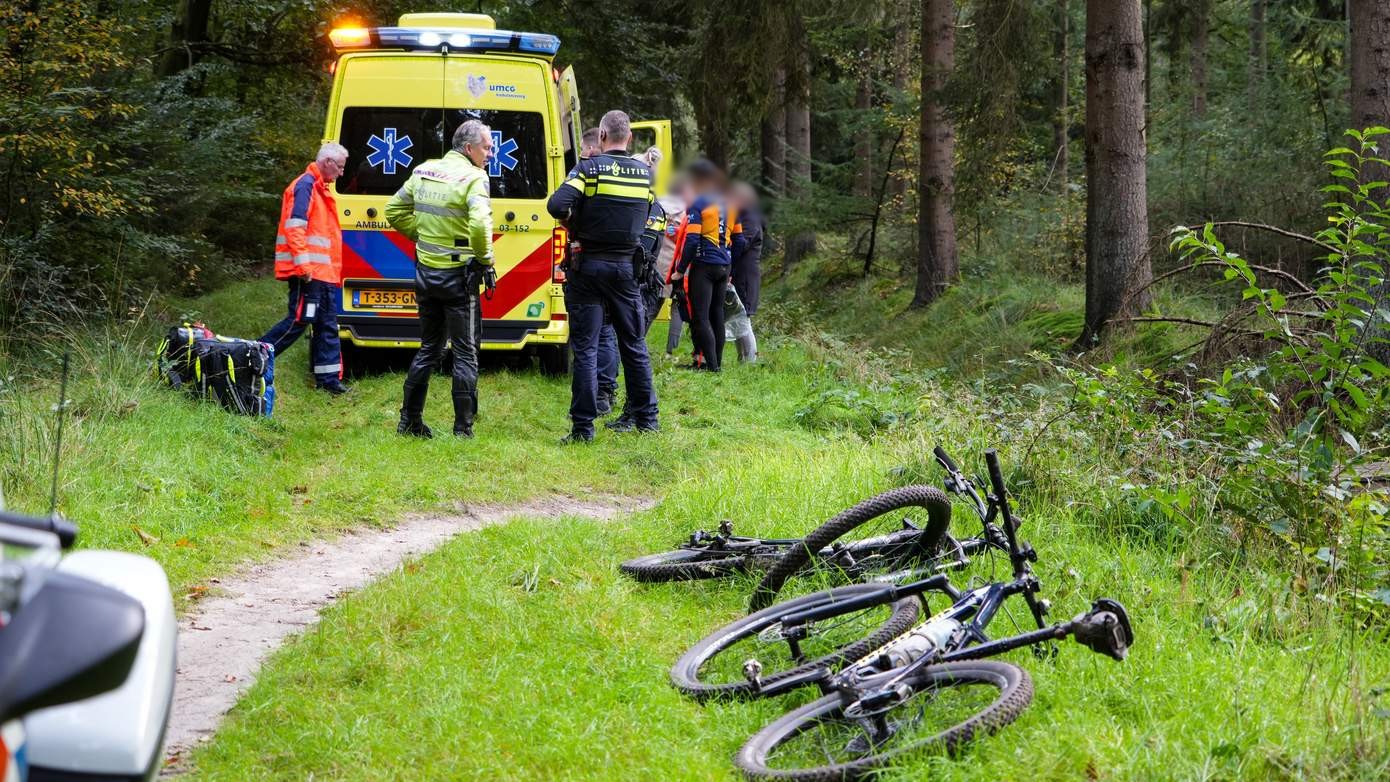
<point>571,126</point>
<point>655,133</point>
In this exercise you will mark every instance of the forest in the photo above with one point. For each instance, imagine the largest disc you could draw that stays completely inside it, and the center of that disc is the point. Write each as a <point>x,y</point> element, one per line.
<point>1139,246</point>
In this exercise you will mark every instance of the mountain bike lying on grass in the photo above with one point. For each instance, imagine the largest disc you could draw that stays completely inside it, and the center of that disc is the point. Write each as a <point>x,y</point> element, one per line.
<point>920,687</point>
<point>864,542</point>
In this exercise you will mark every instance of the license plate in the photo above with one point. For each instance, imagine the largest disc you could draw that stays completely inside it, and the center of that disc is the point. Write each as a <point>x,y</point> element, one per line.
<point>384,299</point>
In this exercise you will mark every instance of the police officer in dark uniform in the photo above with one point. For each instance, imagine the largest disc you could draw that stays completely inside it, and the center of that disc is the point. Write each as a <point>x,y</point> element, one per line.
<point>604,203</point>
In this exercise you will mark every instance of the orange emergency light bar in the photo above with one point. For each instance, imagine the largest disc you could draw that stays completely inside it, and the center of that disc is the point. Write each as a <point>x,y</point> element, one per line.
<point>350,37</point>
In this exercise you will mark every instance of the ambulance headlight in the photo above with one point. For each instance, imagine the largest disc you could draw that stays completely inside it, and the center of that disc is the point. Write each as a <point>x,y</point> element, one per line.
<point>460,40</point>
<point>430,39</point>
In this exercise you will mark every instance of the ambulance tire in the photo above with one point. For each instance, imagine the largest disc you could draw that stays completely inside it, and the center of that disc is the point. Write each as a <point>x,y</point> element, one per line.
<point>554,360</point>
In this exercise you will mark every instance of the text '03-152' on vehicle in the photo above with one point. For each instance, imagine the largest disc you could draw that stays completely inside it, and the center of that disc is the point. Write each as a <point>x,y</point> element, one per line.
<point>398,95</point>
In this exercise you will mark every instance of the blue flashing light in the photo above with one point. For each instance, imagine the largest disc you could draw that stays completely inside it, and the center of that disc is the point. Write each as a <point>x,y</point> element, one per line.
<point>539,43</point>
<point>418,38</point>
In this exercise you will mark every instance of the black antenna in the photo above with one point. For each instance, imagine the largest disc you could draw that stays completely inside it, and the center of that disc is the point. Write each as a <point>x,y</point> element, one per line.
<point>58,444</point>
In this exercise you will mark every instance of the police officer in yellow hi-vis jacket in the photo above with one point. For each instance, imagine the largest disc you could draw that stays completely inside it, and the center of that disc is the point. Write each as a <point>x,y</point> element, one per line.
<point>444,207</point>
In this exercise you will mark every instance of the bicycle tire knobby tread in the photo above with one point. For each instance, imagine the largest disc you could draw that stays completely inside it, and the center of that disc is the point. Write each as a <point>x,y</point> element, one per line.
<point>936,502</point>
<point>1016,692</point>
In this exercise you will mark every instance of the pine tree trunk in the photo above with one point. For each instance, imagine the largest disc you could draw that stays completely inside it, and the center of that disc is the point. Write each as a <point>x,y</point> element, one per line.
<point>937,263</point>
<point>1201,29</point>
<point>190,27</point>
<point>774,137</point>
<point>1370,106</point>
<point>1259,53</point>
<point>1060,116</point>
<point>798,109</point>
<point>1370,63</point>
<point>864,136</point>
<point>898,63</point>
<point>1117,225</point>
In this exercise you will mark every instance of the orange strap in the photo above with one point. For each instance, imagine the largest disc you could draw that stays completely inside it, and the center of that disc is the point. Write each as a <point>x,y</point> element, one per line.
<point>680,246</point>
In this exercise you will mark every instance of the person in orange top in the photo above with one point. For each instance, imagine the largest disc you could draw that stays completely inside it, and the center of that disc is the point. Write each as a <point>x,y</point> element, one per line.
<point>309,254</point>
<point>703,265</point>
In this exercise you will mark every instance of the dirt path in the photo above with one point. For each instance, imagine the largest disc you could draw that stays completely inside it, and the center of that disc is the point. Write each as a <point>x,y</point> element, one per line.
<point>224,640</point>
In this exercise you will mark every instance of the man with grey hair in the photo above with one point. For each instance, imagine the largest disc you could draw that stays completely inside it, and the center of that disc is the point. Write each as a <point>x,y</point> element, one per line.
<point>604,202</point>
<point>309,255</point>
<point>445,208</point>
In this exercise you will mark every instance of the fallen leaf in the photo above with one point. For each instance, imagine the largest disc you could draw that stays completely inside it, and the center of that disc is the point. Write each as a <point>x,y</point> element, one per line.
<point>145,537</point>
<point>196,591</point>
<point>299,490</point>
<point>183,543</point>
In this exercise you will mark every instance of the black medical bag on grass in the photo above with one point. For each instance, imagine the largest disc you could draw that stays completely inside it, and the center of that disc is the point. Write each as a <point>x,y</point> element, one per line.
<point>238,373</point>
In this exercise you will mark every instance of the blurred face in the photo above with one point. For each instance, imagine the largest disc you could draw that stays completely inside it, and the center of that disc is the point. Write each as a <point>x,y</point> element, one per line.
<point>333,167</point>
<point>589,149</point>
<point>480,152</point>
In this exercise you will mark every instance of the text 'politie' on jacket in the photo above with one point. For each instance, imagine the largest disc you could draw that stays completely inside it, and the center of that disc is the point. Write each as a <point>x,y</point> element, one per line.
<point>309,240</point>
<point>604,203</point>
<point>445,208</point>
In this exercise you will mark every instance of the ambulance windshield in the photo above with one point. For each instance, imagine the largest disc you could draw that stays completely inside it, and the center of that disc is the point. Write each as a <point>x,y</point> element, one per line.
<point>386,143</point>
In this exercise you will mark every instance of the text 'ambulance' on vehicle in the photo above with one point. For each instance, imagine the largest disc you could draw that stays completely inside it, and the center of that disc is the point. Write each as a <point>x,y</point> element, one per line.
<point>398,95</point>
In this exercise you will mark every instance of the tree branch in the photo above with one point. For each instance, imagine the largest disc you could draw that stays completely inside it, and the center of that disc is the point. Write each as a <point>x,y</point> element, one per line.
<point>1281,231</point>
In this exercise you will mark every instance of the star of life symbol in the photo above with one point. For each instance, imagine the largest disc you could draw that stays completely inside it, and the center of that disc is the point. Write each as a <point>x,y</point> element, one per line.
<point>502,156</point>
<point>388,151</point>
<point>477,85</point>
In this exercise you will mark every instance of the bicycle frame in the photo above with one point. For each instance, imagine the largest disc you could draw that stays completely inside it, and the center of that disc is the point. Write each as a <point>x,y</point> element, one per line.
<point>959,632</point>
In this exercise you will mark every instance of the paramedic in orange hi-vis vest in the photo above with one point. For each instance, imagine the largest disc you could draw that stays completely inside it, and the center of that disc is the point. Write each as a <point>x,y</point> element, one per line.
<point>309,254</point>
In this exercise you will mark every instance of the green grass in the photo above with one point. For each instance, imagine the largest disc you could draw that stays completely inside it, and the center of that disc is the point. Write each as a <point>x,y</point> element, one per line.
<point>453,667</point>
<point>217,490</point>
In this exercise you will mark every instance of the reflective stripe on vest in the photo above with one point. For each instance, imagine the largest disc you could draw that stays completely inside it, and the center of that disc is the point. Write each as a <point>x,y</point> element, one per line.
<point>296,222</point>
<point>319,241</point>
<point>440,211</point>
<point>439,249</point>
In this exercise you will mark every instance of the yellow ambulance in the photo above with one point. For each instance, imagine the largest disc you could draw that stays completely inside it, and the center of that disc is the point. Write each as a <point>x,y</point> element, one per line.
<point>398,95</point>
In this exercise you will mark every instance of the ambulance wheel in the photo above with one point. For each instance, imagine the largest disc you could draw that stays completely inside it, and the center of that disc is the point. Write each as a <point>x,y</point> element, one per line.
<point>555,359</point>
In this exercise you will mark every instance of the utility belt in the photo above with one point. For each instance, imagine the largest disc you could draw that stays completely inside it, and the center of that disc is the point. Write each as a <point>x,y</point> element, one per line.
<point>643,263</point>
<point>479,273</point>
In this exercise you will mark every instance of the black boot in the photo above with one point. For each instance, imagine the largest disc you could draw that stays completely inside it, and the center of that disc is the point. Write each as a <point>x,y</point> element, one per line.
<point>465,407</point>
<point>411,411</point>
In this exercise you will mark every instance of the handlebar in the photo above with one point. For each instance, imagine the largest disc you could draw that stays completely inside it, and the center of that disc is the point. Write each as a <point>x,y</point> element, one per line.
<point>64,529</point>
<point>996,476</point>
<point>945,460</point>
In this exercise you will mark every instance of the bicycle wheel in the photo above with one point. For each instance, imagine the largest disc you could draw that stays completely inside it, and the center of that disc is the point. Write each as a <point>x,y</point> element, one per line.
<point>686,564</point>
<point>936,503</point>
<point>713,667</point>
<point>942,708</point>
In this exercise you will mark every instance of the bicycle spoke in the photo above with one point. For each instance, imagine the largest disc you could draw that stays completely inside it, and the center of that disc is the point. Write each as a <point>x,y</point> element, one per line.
<point>837,739</point>
<point>772,649</point>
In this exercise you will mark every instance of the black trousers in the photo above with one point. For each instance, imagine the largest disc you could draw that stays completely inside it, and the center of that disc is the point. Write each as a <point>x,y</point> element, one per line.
<point>448,304</point>
<point>598,287</point>
<point>707,284</point>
